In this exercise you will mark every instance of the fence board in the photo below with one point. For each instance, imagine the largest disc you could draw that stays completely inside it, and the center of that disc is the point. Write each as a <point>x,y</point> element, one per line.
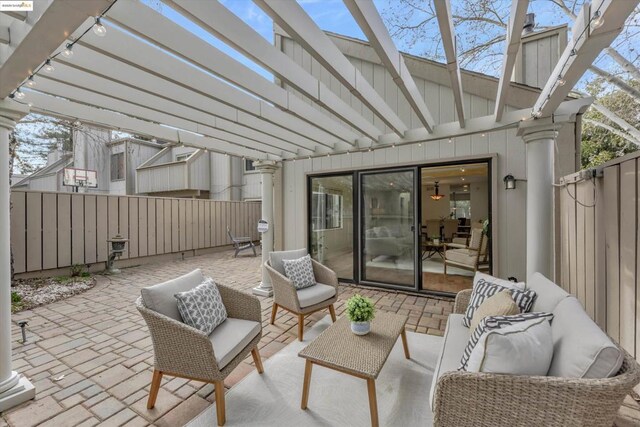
<point>580,289</point>
<point>133,228</point>
<point>151,227</point>
<point>207,224</point>
<point>77,229</point>
<point>102,228</point>
<point>64,230</point>
<point>143,227</point>
<point>90,249</point>
<point>34,231</point>
<point>123,222</point>
<point>18,231</point>
<point>49,231</point>
<point>589,248</point>
<point>628,223</point>
<point>201,224</point>
<point>612,238</point>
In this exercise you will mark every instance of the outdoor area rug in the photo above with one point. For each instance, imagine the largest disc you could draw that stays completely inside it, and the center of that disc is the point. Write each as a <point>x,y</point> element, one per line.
<point>335,399</point>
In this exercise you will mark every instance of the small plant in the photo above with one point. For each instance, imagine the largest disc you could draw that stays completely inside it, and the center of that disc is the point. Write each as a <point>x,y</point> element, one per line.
<point>360,309</point>
<point>78,270</point>
<point>15,298</point>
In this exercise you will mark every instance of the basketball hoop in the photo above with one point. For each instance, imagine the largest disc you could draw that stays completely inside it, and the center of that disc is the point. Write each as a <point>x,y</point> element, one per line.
<point>80,178</point>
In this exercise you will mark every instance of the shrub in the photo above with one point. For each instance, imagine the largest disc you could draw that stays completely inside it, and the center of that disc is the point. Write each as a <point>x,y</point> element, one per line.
<point>15,298</point>
<point>360,309</point>
<point>78,270</point>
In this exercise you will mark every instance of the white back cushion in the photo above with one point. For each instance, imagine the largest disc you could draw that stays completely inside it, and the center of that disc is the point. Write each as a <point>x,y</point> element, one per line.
<point>160,298</point>
<point>580,348</point>
<point>548,293</point>
<point>520,286</point>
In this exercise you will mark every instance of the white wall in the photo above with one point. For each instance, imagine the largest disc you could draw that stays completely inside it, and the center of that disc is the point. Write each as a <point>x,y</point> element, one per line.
<point>479,201</point>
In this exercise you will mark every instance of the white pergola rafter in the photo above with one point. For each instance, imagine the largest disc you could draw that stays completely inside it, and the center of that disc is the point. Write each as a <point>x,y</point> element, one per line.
<point>370,21</point>
<point>295,21</point>
<point>587,43</point>
<point>218,20</point>
<point>55,106</point>
<point>514,36</point>
<point>447,30</point>
<point>154,27</point>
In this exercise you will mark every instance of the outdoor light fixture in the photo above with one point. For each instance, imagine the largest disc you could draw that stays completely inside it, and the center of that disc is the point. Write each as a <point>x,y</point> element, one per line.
<point>99,29</point>
<point>48,67</point>
<point>509,182</point>
<point>31,82</point>
<point>437,196</point>
<point>68,52</point>
<point>598,20</point>
<point>561,81</point>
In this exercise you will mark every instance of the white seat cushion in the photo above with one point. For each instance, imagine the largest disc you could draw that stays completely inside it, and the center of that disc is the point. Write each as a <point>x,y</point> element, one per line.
<point>230,337</point>
<point>275,258</point>
<point>462,256</point>
<point>548,294</point>
<point>315,294</point>
<point>160,298</point>
<point>580,348</point>
<point>456,337</point>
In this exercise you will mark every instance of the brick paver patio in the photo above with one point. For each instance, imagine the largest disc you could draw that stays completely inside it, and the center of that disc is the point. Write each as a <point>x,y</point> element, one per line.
<point>90,356</point>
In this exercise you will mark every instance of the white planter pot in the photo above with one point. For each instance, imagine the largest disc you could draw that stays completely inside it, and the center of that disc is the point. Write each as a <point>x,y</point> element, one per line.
<point>360,328</point>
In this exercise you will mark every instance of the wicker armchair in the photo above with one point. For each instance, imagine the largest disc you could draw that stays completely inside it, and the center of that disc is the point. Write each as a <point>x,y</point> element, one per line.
<point>287,297</point>
<point>480,399</point>
<point>185,352</point>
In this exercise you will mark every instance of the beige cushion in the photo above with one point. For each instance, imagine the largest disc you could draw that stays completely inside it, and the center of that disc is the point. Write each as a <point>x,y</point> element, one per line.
<point>275,258</point>
<point>580,348</point>
<point>474,241</point>
<point>160,297</point>
<point>231,337</point>
<point>315,294</point>
<point>548,294</point>
<point>501,304</point>
<point>455,340</point>
<point>462,256</point>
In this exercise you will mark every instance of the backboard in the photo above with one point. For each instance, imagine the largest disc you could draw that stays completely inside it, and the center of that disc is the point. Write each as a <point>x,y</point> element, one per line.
<point>80,178</point>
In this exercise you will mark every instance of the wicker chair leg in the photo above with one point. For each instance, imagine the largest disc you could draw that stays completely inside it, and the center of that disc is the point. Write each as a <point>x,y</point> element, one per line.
<point>155,387</point>
<point>274,311</point>
<point>257,360</point>
<point>220,407</point>
<point>332,311</point>
<point>300,327</point>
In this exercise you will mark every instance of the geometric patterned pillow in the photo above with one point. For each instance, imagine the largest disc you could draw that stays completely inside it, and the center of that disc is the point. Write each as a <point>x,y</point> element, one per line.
<point>202,307</point>
<point>484,290</point>
<point>300,272</point>
<point>491,323</point>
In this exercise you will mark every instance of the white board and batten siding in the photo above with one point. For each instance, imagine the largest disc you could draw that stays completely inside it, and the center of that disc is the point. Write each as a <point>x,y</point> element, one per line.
<point>505,148</point>
<point>57,230</point>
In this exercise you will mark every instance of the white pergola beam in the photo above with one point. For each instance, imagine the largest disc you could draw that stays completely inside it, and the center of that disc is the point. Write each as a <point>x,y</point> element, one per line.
<point>447,31</point>
<point>582,51</point>
<point>369,20</point>
<point>153,26</point>
<point>122,47</point>
<point>107,97</point>
<point>624,125</point>
<point>514,36</point>
<point>295,21</point>
<point>218,20</point>
<point>41,38</point>
<point>54,106</point>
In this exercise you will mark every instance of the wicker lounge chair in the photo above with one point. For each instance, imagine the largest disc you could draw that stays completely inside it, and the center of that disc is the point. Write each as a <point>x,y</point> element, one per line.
<point>304,301</point>
<point>185,352</point>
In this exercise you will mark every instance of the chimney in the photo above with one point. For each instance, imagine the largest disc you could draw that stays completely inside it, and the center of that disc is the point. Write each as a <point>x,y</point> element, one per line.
<point>539,52</point>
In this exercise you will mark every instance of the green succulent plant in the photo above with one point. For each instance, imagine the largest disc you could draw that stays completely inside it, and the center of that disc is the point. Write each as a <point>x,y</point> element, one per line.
<point>360,309</point>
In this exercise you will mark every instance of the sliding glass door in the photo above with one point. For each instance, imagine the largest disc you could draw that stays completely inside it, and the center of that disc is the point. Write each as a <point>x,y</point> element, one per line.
<point>387,228</point>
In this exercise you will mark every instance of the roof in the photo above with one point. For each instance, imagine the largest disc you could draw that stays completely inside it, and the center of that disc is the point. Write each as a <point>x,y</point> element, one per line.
<point>55,167</point>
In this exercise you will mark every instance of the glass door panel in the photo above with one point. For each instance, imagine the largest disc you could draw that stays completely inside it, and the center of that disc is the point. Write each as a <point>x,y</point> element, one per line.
<point>387,230</point>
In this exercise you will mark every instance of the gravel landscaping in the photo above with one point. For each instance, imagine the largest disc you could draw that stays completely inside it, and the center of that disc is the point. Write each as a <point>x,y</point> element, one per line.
<point>30,293</point>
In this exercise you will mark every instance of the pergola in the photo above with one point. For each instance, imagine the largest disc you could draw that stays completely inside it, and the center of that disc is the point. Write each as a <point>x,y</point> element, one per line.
<point>149,75</point>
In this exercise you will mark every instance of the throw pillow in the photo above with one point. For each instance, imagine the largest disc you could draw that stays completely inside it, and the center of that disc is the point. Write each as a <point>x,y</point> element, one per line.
<point>484,277</point>
<point>202,307</point>
<point>491,323</point>
<point>484,290</point>
<point>501,304</point>
<point>300,272</point>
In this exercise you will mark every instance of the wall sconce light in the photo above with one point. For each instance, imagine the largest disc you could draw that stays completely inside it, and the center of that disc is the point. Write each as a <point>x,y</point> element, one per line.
<point>509,182</point>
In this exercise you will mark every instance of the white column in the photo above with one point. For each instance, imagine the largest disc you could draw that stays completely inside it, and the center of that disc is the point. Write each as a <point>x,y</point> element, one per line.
<point>540,225</point>
<point>267,169</point>
<point>14,388</point>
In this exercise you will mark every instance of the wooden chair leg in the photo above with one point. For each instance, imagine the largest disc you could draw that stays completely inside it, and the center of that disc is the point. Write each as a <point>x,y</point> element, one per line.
<point>257,360</point>
<point>274,311</point>
<point>332,311</point>
<point>300,327</point>
<point>220,408</point>
<point>155,387</point>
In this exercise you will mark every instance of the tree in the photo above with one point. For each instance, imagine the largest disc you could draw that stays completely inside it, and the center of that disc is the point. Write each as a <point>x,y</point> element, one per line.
<point>481,29</point>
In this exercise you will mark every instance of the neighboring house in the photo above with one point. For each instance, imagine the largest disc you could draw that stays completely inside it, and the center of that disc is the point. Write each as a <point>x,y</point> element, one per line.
<point>133,166</point>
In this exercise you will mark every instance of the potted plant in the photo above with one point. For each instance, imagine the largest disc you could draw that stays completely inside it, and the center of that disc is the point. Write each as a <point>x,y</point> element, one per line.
<point>360,311</point>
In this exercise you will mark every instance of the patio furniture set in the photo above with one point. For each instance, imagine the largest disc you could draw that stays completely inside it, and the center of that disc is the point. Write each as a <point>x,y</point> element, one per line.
<point>534,358</point>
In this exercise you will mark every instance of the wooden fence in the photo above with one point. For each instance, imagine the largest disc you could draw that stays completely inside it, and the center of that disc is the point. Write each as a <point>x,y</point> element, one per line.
<point>600,251</point>
<point>57,230</point>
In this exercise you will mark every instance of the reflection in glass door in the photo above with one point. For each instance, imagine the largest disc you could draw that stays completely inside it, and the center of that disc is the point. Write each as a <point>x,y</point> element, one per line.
<point>387,229</point>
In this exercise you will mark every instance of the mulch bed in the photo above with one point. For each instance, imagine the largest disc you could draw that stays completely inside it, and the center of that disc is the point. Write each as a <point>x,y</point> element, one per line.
<point>40,291</point>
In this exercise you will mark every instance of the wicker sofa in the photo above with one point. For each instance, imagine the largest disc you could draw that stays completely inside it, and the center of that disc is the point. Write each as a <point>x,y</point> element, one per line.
<point>460,398</point>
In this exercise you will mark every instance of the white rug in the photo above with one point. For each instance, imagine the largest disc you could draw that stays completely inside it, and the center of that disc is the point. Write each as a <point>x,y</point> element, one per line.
<point>335,399</point>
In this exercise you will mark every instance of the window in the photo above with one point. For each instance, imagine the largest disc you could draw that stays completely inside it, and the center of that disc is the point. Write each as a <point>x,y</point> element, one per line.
<point>183,156</point>
<point>326,211</point>
<point>117,166</point>
<point>248,165</point>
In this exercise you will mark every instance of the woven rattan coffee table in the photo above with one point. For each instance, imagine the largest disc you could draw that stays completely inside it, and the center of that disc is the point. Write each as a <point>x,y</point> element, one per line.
<point>361,356</point>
